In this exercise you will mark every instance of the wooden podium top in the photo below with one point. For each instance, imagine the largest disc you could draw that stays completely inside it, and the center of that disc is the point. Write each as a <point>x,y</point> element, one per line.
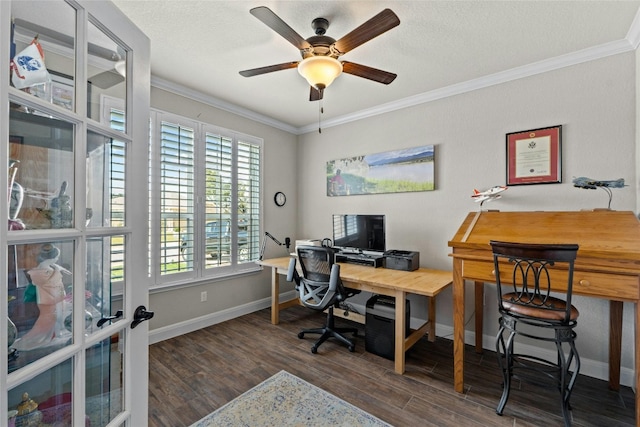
<point>607,266</point>
<point>600,233</point>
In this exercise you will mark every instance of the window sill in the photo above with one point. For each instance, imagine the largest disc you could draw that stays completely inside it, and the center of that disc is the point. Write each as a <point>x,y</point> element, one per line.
<point>167,287</point>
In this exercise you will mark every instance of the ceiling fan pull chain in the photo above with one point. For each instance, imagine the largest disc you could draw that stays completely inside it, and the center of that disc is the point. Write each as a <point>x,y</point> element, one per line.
<point>320,113</point>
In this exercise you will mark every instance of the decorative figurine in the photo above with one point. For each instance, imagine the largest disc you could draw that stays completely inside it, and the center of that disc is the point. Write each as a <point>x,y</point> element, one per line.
<point>606,185</point>
<point>15,196</point>
<point>28,413</point>
<point>47,278</point>
<point>61,216</point>
<point>488,195</point>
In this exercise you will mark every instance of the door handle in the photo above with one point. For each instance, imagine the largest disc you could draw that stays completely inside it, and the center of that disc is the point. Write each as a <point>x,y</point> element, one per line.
<point>140,315</point>
<point>104,320</point>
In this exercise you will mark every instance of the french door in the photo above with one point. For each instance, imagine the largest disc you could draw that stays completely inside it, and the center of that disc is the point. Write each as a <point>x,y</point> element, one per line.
<point>74,109</point>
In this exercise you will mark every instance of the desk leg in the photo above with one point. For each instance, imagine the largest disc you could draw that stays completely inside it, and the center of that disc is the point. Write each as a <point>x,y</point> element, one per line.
<point>479,301</point>
<point>275,296</point>
<point>615,343</point>
<point>637,357</point>
<point>458,326</point>
<point>400,331</point>
<point>432,319</point>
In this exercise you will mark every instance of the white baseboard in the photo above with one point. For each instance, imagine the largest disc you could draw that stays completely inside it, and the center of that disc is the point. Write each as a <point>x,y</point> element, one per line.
<point>181,328</point>
<point>589,367</point>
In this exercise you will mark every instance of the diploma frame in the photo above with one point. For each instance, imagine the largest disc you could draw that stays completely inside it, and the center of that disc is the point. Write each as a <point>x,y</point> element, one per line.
<point>535,156</point>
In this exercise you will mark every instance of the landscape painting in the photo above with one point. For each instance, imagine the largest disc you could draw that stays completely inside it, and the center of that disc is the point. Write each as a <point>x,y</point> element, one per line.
<point>397,171</point>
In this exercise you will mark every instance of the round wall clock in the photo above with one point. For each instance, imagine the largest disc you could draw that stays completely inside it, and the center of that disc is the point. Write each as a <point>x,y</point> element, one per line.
<point>280,199</point>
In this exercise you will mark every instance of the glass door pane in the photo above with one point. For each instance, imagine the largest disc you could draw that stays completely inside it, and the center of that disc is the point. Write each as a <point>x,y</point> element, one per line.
<point>45,69</point>
<point>42,156</point>
<point>107,74</point>
<point>44,400</point>
<point>105,293</point>
<point>104,395</point>
<point>40,296</point>
<point>106,165</point>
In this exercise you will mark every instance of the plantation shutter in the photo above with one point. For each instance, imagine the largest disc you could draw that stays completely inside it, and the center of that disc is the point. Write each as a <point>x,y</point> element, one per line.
<point>176,198</point>
<point>115,161</point>
<point>249,198</point>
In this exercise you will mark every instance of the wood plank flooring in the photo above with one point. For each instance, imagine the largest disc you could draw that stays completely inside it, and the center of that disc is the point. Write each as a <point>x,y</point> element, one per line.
<point>194,374</point>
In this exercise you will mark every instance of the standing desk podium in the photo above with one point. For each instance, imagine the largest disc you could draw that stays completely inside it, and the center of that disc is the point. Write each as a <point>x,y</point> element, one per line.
<point>607,267</point>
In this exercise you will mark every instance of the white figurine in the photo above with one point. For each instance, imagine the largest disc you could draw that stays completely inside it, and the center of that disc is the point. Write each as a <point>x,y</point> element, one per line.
<point>47,277</point>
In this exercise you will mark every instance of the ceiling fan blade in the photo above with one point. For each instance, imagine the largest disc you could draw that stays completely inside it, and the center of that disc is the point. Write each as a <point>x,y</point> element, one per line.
<point>381,23</point>
<point>274,22</point>
<point>374,74</point>
<point>106,79</point>
<point>315,94</point>
<point>268,69</point>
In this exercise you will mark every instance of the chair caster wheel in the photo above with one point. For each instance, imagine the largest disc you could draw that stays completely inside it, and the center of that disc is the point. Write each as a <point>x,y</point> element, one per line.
<point>314,349</point>
<point>300,335</point>
<point>352,348</point>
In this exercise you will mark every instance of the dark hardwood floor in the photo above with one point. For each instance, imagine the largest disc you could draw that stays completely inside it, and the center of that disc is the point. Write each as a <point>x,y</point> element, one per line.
<point>194,374</point>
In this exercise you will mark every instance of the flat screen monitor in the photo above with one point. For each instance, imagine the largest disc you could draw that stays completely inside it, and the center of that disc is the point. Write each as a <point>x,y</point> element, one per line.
<point>359,233</point>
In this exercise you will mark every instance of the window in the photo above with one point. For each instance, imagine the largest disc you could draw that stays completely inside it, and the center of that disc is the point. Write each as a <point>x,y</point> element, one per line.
<point>205,200</point>
<point>106,163</point>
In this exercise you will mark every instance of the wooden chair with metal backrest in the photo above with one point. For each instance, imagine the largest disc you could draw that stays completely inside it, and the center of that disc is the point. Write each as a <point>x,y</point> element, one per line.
<point>320,288</point>
<point>524,275</point>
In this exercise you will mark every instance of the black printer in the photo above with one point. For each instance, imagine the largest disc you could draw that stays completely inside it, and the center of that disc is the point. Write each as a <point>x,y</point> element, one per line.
<point>402,260</point>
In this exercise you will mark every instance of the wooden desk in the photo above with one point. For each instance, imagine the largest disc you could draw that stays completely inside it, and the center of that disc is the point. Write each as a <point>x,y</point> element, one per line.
<point>382,281</point>
<point>607,266</point>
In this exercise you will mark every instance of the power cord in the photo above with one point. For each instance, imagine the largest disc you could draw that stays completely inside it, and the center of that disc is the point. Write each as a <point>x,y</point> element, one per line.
<point>348,308</point>
<point>465,324</point>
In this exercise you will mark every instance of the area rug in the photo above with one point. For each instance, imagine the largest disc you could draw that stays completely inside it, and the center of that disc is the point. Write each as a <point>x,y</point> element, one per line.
<point>286,400</point>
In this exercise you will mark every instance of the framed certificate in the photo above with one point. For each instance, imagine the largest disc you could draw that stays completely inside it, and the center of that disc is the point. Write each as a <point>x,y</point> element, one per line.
<point>535,156</point>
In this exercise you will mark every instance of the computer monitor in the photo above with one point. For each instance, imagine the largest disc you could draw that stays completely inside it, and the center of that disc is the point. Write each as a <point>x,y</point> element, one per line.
<point>359,233</point>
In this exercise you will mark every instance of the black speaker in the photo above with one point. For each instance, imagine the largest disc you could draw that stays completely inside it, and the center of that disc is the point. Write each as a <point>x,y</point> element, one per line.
<point>380,331</point>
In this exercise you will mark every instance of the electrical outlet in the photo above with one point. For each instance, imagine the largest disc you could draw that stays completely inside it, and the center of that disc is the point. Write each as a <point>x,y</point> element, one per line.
<point>203,296</point>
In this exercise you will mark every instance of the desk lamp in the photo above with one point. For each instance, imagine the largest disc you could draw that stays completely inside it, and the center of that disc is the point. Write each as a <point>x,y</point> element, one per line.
<point>287,243</point>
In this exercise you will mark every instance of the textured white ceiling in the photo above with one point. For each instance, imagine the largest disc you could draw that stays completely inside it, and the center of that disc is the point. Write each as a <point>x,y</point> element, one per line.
<point>202,45</point>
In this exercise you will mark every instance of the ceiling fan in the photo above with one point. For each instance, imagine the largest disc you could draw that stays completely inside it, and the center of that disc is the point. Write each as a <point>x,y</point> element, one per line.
<point>320,53</point>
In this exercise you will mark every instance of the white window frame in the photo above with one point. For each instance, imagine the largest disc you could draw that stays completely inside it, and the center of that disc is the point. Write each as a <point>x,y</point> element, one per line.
<point>199,273</point>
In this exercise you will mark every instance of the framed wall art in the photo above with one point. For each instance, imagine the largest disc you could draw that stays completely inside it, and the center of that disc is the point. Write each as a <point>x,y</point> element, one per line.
<point>535,156</point>
<point>398,171</point>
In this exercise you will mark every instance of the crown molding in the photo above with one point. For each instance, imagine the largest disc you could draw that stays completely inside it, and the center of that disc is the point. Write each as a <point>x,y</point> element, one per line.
<point>633,35</point>
<point>630,43</point>
<point>585,55</point>
<point>177,89</point>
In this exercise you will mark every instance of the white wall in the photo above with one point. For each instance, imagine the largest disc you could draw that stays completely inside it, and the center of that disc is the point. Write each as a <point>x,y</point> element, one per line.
<point>595,104</point>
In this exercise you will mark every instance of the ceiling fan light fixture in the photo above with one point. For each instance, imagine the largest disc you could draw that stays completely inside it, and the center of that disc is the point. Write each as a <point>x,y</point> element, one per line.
<point>320,71</point>
<point>121,68</point>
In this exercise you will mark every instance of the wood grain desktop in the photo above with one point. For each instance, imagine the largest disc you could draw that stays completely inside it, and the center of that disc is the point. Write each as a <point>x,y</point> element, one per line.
<point>383,281</point>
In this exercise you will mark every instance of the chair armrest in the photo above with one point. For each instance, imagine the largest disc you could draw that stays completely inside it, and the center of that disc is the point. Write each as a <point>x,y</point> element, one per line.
<point>292,273</point>
<point>334,278</point>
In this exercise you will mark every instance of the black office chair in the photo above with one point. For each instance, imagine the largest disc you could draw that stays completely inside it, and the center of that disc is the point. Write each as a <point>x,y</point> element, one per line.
<point>524,297</point>
<point>320,288</point>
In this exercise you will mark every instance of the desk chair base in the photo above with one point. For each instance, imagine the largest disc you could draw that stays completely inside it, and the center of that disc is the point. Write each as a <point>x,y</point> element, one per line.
<point>330,331</point>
